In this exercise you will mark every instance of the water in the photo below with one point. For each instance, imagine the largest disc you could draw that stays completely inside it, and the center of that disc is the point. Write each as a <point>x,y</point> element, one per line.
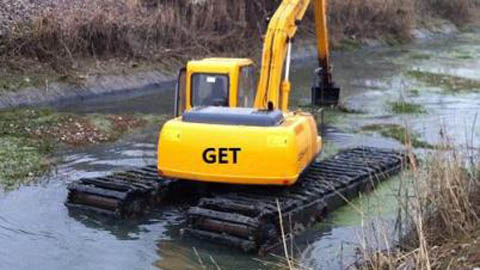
<point>38,232</point>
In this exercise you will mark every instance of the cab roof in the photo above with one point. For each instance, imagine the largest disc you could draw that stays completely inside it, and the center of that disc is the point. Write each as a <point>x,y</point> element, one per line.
<point>228,63</point>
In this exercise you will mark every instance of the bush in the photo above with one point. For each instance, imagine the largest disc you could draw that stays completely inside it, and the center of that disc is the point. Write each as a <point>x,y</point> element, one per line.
<point>372,18</point>
<point>457,11</point>
<point>168,28</point>
<point>53,30</point>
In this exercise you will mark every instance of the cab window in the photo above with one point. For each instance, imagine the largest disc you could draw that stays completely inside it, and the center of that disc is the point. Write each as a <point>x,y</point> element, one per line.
<point>209,90</point>
<point>246,87</point>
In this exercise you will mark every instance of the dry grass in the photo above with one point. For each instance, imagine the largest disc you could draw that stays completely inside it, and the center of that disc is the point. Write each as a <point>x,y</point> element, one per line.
<point>62,34</point>
<point>169,28</point>
<point>457,11</point>
<point>372,19</point>
<point>448,197</point>
<point>111,28</point>
<point>442,216</point>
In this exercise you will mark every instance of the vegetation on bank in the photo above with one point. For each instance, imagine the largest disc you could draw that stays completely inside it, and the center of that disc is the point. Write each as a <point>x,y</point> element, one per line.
<point>58,36</point>
<point>441,214</point>
<point>21,160</point>
<point>28,137</point>
<point>403,107</point>
<point>399,133</point>
<point>445,81</point>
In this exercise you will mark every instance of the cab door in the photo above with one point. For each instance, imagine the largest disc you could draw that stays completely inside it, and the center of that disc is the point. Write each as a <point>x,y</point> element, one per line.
<point>181,93</point>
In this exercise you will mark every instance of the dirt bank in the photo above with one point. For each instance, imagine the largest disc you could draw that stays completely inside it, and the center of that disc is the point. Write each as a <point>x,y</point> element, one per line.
<point>53,50</point>
<point>91,86</point>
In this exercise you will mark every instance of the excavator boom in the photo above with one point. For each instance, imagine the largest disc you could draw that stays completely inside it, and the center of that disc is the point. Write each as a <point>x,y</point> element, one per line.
<point>273,92</point>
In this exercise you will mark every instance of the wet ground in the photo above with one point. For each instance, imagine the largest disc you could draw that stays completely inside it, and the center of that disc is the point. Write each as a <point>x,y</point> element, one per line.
<point>442,76</point>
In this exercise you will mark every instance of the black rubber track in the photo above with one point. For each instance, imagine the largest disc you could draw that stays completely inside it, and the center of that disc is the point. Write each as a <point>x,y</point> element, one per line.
<point>127,194</point>
<point>246,217</point>
<point>249,218</point>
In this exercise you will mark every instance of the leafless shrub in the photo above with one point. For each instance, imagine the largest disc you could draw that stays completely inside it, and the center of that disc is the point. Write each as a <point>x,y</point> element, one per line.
<point>170,28</point>
<point>447,196</point>
<point>441,205</point>
<point>372,18</point>
<point>457,11</point>
<point>60,30</point>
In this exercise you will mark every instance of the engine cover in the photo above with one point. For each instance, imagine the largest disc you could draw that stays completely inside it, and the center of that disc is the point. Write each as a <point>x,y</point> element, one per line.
<point>234,116</point>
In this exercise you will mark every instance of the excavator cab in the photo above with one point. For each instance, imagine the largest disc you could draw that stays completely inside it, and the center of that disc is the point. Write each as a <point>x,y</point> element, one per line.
<point>218,82</point>
<point>218,135</point>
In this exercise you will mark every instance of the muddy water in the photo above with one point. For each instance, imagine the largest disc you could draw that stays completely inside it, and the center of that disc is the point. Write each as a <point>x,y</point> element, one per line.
<point>38,232</point>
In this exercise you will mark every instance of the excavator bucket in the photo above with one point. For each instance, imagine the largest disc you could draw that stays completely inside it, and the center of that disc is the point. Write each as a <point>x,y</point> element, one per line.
<point>324,91</point>
<point>325,96</point>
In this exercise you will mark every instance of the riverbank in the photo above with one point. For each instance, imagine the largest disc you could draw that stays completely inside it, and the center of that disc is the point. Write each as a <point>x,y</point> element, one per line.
<point>30,137</point>
<point>55,51</point>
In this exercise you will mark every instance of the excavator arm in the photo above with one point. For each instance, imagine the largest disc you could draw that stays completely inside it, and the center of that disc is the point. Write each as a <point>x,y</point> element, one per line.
<point>273,90</point>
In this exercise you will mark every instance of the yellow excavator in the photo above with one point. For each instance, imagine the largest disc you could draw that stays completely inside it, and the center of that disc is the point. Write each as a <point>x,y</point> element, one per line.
<point>230,130</point>
<point>254,159</point>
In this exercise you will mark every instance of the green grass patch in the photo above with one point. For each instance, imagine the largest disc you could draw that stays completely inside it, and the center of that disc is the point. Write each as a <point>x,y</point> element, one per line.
<point>463,54</point>
<point>21,161</point>
<point>28,137</point>
<point>21,122</point>
<point>331,116</point>
<point>447,82</point>
<point>103,124</point>
<point>414,92</point>
<point>398,133</point>
<point>402,107</point>
<point>348,45</point>
<point>420,56</point>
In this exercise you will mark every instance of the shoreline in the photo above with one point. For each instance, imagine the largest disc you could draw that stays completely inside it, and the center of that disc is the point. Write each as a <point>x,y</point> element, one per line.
<point>142,83</point>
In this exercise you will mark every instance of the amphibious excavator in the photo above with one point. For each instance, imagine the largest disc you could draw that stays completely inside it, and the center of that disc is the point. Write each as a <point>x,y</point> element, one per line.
<point>255,157</point>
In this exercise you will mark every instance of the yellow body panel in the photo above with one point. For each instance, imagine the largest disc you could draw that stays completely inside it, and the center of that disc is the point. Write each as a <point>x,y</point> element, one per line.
<point>267,155</point>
